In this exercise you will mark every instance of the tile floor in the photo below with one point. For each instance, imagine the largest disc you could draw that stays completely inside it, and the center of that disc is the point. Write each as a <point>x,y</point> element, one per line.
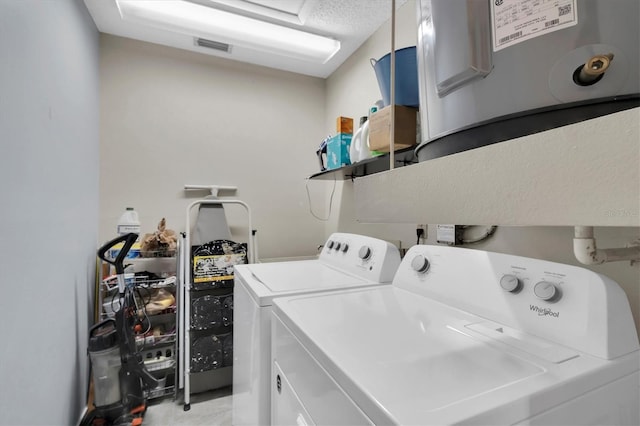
<point>207,408</point>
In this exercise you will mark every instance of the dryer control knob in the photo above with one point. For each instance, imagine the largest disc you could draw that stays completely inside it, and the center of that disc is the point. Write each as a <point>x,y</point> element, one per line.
<point>364,253</point>
<point>345,247</point>
<point>330,244</point>
<point>420,264</point>
<point>510,283</point>
<point>545,290</point>
<point>336,247</point>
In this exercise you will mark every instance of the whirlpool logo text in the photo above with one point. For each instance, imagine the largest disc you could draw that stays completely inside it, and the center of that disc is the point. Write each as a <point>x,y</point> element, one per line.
<point>544,311</point>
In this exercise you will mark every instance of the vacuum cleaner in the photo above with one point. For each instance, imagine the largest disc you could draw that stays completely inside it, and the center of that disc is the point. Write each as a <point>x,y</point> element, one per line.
<point>120,379</point>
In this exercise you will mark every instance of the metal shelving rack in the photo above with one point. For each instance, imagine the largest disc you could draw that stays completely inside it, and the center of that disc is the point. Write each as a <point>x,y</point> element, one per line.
<point>159,350</point>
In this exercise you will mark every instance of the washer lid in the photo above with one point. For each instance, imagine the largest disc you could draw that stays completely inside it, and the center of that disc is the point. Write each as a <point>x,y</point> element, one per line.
<point>265,281</point>
<point>406,359</point>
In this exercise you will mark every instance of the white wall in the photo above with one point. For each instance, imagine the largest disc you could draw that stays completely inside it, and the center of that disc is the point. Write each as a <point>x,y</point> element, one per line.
<point>170,117</point>
<point>49,209</point>
<point>352,88</point>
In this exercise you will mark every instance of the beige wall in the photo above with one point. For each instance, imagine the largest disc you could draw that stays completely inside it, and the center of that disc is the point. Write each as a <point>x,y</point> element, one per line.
<point>353,87</point>
<point>170,118</point>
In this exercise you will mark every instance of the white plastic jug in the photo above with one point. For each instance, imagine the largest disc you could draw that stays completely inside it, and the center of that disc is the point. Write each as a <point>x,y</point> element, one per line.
<point>129,222</point>
<point>359,149</point>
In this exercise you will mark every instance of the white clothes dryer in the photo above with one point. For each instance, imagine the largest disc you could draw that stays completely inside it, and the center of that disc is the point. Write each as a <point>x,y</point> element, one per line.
<point>346,261</point>
<point>460,337</point>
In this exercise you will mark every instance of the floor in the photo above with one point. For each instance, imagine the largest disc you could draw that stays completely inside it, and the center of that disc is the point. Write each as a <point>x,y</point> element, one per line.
<point>207,408</point>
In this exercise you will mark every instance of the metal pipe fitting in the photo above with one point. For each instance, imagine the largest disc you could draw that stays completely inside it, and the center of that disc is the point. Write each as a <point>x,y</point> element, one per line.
<point>593,69</point>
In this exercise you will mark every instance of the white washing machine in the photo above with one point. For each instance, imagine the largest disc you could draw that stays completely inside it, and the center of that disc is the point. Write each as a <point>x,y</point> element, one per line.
<point>346,261</point>
<point>460,337</point>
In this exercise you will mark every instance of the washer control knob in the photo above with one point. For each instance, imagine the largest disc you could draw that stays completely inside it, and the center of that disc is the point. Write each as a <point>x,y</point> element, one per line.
<point>364,253</point>
<point>330,244</point>
<point>545,290</point>
<point>345,247</point>
<point>336,247</point>
<point>420,264</point>
<point>510,283</point>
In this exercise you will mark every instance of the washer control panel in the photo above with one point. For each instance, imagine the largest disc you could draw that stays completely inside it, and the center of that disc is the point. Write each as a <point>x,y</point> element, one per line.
<point>545,287</point>
<point>547,291</point>
<point>371,258</point>
<point>566,304</point>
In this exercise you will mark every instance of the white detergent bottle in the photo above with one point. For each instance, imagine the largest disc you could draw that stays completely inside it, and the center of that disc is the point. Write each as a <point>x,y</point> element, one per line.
<point>129,222</point>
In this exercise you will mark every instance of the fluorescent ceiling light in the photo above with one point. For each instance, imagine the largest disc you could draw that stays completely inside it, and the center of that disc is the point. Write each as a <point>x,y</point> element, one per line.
<point>292,11</point>
<point>197,20</point>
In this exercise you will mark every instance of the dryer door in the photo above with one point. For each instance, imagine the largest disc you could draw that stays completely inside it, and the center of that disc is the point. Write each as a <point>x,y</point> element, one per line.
<point>286,408</point>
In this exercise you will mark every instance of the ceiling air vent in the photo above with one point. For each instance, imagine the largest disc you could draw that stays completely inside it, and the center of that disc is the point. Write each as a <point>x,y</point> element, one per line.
<point>215,45</point>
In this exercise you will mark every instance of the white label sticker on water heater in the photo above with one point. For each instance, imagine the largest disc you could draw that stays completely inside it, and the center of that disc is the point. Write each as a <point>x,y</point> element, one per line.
<point>514,21</point>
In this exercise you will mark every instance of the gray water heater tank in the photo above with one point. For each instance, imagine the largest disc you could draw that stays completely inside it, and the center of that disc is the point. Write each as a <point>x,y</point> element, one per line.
<point>494,70</point>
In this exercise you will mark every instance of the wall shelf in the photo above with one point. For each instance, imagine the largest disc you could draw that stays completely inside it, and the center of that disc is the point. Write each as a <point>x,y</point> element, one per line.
<point>586,173</point>
<point>370,166</point>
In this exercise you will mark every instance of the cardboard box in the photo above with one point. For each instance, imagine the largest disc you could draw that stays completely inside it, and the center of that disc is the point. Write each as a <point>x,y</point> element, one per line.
<point>338,151</point>
<point>380,128</point>
<point>134,251</point>
<point>344,125</point>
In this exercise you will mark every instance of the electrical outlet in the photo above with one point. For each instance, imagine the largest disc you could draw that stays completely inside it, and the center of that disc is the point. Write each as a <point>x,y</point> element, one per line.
<point>421,232</point>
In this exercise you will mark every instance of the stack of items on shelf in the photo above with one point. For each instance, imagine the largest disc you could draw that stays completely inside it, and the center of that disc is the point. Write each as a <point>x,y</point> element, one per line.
<point>338,145</point>
<point>162,243</point>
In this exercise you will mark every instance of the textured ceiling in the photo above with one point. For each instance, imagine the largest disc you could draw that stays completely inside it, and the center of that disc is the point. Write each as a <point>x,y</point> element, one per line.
<point>350,18</point>
<point>350,21</point>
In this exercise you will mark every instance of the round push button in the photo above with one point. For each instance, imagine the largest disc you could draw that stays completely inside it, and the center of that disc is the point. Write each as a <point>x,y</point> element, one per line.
<point>420,264</point>
<point>545,290</point>
<point>364,253</point>
<point>510,283</point>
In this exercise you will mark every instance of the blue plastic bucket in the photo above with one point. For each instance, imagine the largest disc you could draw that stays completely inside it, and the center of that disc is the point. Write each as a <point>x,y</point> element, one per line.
<point>406,77</point>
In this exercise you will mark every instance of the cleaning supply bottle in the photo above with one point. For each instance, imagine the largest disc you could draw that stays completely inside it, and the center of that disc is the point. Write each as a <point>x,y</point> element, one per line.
<point>359,149</point>
<point>128,222</point>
